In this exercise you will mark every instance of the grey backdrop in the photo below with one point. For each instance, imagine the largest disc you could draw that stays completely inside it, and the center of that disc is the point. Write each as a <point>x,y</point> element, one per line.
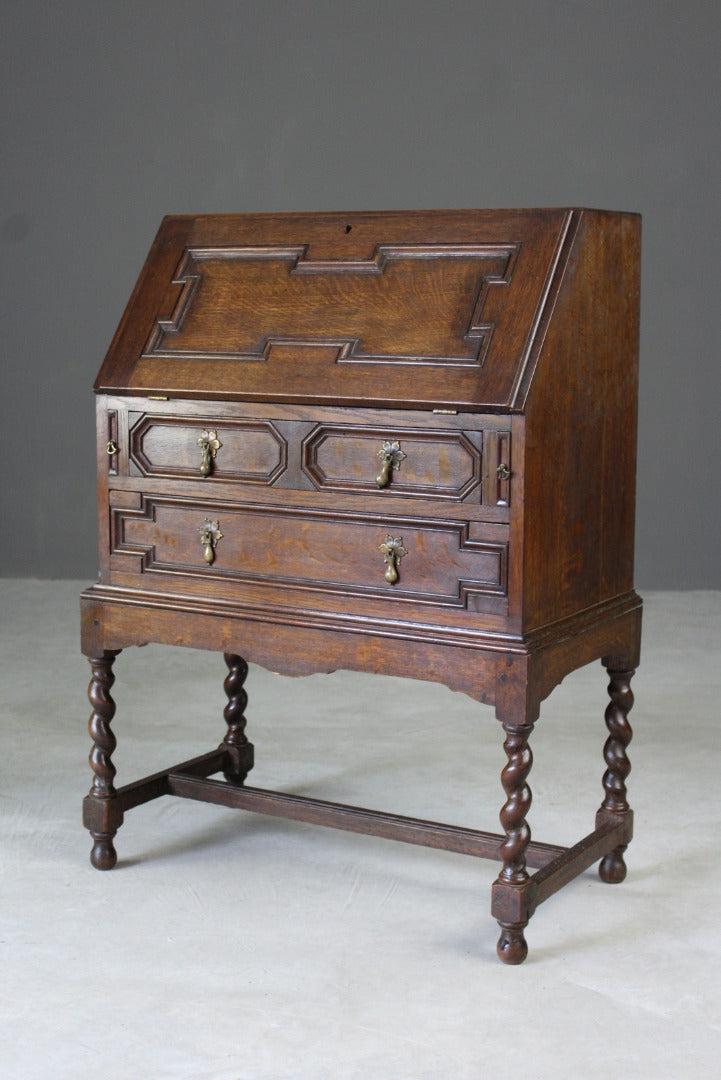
<point>117,113</point>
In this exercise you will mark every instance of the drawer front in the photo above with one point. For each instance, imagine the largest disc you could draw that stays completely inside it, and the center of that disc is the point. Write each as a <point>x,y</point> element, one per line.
<point>407,461</point>
<point>431,561</point>
<point>245,450</point>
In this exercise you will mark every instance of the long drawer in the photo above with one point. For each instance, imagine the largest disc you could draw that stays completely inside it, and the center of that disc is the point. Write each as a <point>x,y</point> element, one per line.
<point>435,561</point>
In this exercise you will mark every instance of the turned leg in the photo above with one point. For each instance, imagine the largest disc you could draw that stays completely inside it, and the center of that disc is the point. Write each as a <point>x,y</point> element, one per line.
<point>100,811</point>
<point>613,868</point>
<point>239,750</point>
<point>509,894</point>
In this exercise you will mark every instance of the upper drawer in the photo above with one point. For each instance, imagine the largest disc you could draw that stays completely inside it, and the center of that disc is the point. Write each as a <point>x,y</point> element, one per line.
<point>364,453</point>
<point>244,449</point>
<point>428,464</point>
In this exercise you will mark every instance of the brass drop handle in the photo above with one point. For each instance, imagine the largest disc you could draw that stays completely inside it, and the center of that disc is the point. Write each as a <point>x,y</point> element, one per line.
<point>391,457</point>
<point>112,448</point>
<point>384,475</point>
<point>503,472</point>
<point>393,552</point>
<point>210,534</point>
<point>209,446</point>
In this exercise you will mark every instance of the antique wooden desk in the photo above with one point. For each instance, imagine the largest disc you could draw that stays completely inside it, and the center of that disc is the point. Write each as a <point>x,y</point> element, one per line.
<point>392,442</point>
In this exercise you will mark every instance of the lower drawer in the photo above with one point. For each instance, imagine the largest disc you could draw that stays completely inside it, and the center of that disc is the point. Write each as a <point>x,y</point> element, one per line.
<point>348,554</point>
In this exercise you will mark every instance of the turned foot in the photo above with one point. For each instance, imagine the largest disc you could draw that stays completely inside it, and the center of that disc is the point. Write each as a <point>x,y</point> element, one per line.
<point>612,868</point>
<point>512,947</point>
<point>103,855</point>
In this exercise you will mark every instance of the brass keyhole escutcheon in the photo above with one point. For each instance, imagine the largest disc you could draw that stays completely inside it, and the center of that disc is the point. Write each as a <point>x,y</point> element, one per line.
<point>210,534</point>
<point>393,552</point>
<point>209,446</point>
<point>391,457</point>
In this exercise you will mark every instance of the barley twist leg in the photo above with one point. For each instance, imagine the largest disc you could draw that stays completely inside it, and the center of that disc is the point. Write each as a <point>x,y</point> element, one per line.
<point>98,806</point>
<point>613,868</point>
<point>512,947</point>
<point>240,750</point>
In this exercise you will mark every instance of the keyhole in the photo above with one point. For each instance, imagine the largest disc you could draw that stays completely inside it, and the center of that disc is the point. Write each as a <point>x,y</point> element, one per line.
<point>348,228</point>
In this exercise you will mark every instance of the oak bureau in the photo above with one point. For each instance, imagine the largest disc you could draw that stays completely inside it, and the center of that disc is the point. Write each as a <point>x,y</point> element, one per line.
<point>400,443</point>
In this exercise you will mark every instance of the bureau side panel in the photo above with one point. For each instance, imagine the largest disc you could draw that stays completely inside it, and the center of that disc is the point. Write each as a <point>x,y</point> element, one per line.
<point>580,428</point>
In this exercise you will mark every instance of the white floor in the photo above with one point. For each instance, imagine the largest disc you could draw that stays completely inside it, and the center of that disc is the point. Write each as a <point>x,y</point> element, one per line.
<point>227,946</point>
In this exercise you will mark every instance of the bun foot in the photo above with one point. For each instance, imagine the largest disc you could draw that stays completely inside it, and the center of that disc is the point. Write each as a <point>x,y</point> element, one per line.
<point>512,947</point>
<point>103,856</point>
<point>612,869</point>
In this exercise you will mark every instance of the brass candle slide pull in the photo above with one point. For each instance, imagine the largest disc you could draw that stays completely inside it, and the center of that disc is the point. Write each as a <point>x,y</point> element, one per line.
<point>391,457</point>
<point>393,552</point>
<point>209,446</point>
<point>210,534</point>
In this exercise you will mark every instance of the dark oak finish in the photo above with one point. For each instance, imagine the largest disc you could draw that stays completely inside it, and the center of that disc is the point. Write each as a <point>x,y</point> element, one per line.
<point>401,443</point>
